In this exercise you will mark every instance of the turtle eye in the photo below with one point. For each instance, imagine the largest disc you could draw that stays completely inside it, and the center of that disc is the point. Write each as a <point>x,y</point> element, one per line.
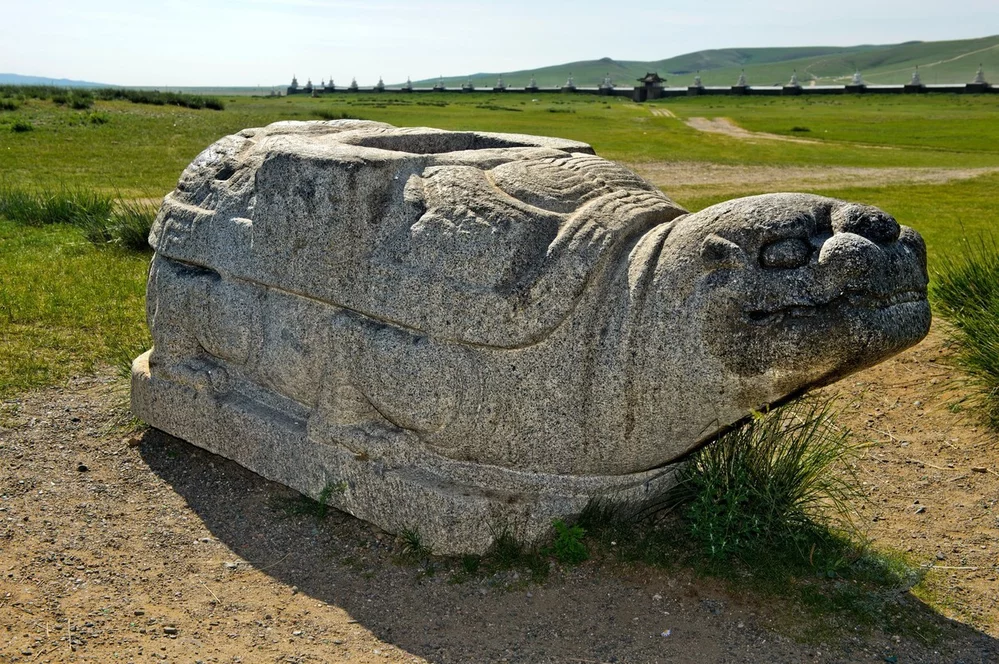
<point>786,254</point>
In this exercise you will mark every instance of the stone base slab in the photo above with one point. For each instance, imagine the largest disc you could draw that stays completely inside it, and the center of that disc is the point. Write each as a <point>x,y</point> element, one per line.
<point>439,501</point>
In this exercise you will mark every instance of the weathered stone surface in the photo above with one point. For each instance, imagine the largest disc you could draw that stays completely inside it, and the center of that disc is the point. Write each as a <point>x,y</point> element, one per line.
<point>463,333</point>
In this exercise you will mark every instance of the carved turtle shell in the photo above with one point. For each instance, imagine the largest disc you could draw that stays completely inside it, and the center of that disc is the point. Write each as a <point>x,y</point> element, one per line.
<point>471,237</point>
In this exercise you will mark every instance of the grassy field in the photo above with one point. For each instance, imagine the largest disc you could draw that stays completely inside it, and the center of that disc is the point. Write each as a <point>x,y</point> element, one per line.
<point>66,304</point>
<point>140,150</point>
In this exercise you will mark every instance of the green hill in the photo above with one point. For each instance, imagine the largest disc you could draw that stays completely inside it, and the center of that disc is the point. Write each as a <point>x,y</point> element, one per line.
<point>938,62</point>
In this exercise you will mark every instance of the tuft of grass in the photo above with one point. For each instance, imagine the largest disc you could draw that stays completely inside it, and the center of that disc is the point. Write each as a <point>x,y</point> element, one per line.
<point>9,105</point>
<point>131,223</point>
<point>507,553</point>
<point>497,107</point>
<point>774,482</point>
<point>97,118</point>
<point>965,291</point>
<point>102,218</point>
<point>413,547</point>
<point>767,507</point>
<point>20,126</point>
<point>126,226</point>
<point>64,206</point>
<point>81,101</point>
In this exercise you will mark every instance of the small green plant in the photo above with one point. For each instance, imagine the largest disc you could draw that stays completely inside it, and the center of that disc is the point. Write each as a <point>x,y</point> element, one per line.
<point>966,293</point>
<point>97,118</point>
<point>800,129</point>
<point>323,503</point>
<point>9,105</point>
<point>568,546</point>
<point>20,125</point>
<point>413,547</point>
<point>769,510</point>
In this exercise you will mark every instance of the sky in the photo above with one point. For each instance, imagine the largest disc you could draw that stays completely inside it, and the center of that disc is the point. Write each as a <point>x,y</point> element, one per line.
<point>264,42</point>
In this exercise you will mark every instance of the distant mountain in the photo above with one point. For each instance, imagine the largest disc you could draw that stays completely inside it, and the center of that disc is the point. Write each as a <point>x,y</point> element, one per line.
<point>938,62</point>
<point>17,79</point>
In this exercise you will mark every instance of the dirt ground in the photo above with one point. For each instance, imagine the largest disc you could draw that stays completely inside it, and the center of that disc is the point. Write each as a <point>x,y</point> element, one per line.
<point>729,128</point>
<point>143,548</point>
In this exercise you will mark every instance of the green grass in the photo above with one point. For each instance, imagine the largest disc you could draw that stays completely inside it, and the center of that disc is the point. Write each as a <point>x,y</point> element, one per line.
<point>413,548</point>
<point>103,219</point>
<point>944,123</point>
<point>505,555</point>
<point>127,226</point>
<point>65,206</point>
<point>66,306</point>
<point>781,481</point>
<point>83,98</point>
<point>966,294</point>
<point>139,149</point>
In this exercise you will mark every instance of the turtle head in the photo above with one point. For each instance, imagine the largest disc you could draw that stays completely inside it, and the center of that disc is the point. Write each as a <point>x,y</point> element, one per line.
<point>802,289</point>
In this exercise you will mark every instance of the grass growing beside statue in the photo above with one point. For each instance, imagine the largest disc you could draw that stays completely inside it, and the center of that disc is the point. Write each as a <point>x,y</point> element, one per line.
<point>771,506</point>
<point>966,292</point>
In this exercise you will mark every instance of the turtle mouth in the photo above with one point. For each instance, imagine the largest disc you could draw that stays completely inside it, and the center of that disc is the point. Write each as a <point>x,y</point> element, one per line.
<point>852,298</point>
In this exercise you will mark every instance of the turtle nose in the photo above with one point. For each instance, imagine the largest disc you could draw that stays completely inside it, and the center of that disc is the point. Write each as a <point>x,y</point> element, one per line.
<point>850,255</point>
<point>867,222</point>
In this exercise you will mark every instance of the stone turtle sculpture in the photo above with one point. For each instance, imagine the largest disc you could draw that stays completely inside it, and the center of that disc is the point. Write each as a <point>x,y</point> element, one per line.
<point>463,334</point>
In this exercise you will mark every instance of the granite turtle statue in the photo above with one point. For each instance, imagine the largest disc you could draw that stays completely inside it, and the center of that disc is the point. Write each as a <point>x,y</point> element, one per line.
<point>464,333</point>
